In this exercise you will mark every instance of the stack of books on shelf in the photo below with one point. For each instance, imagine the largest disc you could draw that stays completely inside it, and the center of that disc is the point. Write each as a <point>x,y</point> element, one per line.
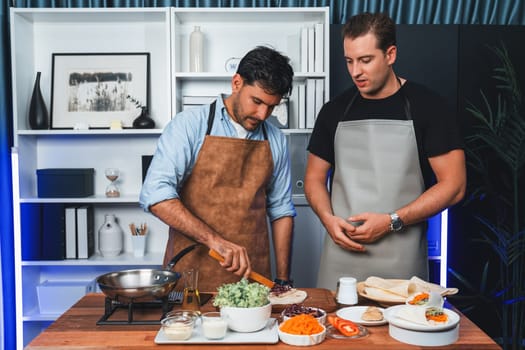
<point>194,101</point>
<point>80,235</point>
<point>58,232</point>
<point>309,95</point>
<point>312,48</point>
<point>309,98</point>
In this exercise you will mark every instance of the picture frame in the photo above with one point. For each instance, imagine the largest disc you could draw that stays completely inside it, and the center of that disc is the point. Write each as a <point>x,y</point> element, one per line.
<point>98,90</point>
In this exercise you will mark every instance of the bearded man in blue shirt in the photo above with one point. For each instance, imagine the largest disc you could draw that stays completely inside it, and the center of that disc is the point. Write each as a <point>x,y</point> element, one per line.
<point>221,170</point>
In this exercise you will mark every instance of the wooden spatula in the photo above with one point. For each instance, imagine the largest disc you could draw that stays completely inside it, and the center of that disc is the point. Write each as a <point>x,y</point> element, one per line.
<point>253,275</point>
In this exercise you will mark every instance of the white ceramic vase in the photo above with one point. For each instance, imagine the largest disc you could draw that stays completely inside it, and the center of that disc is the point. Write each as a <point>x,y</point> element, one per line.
<point>196,50</point>
<point>110,237</point>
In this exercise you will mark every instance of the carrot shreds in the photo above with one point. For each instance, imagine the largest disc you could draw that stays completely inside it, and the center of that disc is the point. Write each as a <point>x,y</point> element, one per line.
<point>438,318</point>
<point>419,299</point>
<point>303,324</point>
<point>436,315</point>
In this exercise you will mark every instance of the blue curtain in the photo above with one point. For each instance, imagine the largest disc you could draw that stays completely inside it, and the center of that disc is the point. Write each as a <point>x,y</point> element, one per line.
<point>500,12</point>
<point>485,12</point>
<point>6,213</point>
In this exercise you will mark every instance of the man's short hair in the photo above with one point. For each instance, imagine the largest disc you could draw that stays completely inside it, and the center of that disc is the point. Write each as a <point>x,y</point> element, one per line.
<point>379,24</point>
<point>269,69</point>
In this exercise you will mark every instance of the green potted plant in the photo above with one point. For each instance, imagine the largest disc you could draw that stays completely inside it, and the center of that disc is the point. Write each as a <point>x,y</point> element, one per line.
<point>495,151</point>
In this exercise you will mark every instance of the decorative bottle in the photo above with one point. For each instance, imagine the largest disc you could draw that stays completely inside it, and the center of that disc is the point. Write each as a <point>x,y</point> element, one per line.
<point>38,115</point>
<point>196,50</point>
<point>110,237</point>
<point>143,121</point>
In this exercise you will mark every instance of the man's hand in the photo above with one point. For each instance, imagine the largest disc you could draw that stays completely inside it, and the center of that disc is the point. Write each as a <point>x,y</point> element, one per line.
<point>175,214</point>
<point>236,259</point>
<point>372,227</point>
<point>340,230</point>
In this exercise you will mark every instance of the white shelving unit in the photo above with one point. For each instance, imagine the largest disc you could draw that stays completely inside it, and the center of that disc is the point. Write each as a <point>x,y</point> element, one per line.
<point>231,33</point>
<point>163,32</point>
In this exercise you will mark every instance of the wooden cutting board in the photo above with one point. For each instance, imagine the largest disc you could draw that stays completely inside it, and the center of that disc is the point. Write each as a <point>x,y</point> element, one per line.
<point>316,297</point>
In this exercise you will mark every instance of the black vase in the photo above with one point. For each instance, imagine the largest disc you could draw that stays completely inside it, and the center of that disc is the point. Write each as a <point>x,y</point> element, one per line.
<point>143,121</point>
<point>38,115</point>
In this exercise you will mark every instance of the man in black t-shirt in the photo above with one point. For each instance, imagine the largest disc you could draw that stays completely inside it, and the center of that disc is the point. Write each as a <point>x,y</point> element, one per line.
<point>392,155</point>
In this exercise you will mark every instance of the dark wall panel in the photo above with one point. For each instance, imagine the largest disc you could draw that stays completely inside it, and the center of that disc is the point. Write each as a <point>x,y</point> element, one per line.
<point>467,255</point>
<point>427,54</point>
<point>477,61</point>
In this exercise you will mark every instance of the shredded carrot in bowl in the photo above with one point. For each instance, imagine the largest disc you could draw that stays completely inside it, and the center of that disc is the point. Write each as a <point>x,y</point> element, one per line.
<point>303,324</point>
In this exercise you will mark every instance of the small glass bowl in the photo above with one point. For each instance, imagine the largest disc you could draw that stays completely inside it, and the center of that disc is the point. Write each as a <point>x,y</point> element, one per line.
<point>178,327</point>
<point>184,313</point>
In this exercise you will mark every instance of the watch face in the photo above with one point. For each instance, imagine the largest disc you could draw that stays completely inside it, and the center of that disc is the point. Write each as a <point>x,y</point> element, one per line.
<point>397,225</point>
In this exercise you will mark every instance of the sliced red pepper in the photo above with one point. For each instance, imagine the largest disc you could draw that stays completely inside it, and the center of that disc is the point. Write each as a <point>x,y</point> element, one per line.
<point>348,329</point>
<point>345,327</point>
<point>331,320</point>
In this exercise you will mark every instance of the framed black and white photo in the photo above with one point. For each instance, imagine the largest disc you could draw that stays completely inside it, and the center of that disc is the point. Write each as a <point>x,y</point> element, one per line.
<point>94,90</point>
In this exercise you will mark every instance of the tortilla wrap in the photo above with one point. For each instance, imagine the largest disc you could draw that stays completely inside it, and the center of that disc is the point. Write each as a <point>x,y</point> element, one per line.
<point>397,290</point>
<point>412,314</point>
<point>293,296</point>
<point>400,288</point>
<point>380,294</point>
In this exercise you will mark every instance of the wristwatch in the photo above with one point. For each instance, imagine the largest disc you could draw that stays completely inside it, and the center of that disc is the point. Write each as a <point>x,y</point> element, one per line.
<point>396,223</point>
<point>283,282</point>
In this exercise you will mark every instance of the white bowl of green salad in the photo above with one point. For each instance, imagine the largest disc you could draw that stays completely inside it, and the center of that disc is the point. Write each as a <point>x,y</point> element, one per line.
<point>244,306</point>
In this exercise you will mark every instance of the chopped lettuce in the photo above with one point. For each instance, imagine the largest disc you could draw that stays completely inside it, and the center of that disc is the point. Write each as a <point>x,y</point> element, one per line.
<point>242,294</point>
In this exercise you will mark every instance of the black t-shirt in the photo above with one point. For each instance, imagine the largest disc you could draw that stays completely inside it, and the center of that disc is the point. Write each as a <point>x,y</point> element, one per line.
<point>436,127</point>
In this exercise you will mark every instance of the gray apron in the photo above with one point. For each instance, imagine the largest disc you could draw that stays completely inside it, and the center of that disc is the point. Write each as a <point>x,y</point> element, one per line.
<point>377,170</point>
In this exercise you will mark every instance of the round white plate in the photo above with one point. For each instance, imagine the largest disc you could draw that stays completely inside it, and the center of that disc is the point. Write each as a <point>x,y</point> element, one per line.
<point>390,315</point>
<point>353,313</point>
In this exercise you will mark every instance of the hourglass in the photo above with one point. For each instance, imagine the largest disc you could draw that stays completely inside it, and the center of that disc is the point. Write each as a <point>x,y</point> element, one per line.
<point>112,175</point>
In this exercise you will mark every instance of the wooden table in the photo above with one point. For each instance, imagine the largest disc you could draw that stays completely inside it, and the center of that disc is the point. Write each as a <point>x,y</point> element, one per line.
<point>77,329</point>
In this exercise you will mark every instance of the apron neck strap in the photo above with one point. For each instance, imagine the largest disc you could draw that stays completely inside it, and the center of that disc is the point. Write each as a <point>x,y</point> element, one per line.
<point>211,116</point>
<point>408,110</point>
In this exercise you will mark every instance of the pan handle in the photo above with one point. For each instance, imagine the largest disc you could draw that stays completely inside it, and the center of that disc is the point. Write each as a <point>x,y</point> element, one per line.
<point>179,255</point>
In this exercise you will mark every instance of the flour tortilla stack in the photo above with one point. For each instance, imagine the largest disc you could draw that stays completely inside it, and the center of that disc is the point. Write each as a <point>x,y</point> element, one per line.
<point>293,296</point>
<point>394,290</point>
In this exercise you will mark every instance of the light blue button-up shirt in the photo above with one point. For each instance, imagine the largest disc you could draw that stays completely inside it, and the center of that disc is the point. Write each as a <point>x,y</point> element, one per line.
<point>180,143</point>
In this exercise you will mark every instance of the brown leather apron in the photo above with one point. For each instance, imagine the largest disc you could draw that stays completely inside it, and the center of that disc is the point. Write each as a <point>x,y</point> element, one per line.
<point>227,190</point>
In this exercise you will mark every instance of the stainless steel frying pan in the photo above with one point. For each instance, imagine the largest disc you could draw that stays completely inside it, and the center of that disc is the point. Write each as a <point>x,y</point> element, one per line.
<point>141,284</point>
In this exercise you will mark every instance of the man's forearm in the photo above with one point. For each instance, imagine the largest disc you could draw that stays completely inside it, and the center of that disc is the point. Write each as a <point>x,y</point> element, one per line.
<point>173,213</point>
<point>282,230</point>
<point>448,190</point>
<point>318,198</point>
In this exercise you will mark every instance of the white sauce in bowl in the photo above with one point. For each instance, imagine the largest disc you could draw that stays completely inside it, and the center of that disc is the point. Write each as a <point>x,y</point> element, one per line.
<point>214,328</point>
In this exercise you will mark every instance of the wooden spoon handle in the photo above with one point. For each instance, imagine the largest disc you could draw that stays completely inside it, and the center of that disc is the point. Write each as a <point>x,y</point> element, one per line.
<point>253,275</point>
